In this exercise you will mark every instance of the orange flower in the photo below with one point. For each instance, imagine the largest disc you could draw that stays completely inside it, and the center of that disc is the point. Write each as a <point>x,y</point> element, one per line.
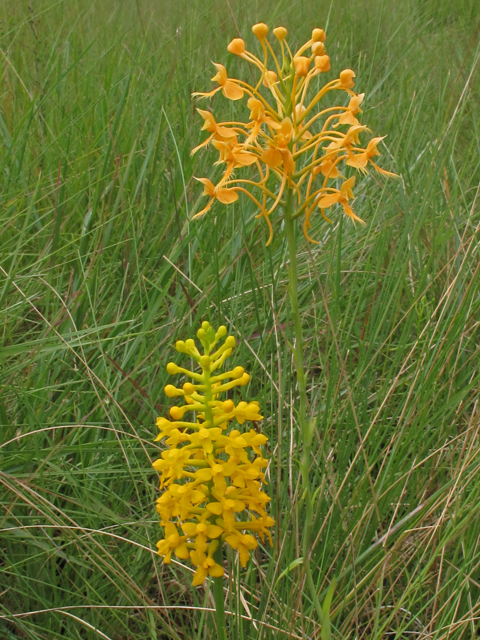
<point>217,131</point>
<point>278,152</point>
<point>348,116</point>
<point>225,196</point>
<point>291,143</point>
<point>230,88</point>
<point>341,197</point>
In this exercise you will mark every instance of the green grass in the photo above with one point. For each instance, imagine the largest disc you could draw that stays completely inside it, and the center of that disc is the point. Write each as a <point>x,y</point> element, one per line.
<point>101,271</point>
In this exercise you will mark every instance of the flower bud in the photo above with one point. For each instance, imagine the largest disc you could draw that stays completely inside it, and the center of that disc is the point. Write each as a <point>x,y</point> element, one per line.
<point>269,78</point>
<point>346,78</point>
<point>172,368</point>
<point>322,63</point>
<point>301,65</point>
<point>188,388</point>
<point>318,35</point>
<point>205,325</point>
<point>260,30</point>
<point>205,362</point>
<point>222,331</point>
<point>190,344</point>
<point>180,346</point>
<point>236,46</point>
<point>228,406</point>
<point>318,48</point>
<point>237,372</point>
<point>230,342</point>
<point>176,413</point>
<point>280,33</point>
<point>299,111</point>
<point>245,379</point>
<point>171,391</point>
<point>201,334</point>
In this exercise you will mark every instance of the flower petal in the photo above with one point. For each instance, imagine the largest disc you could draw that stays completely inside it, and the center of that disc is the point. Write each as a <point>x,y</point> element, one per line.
<point>350,213</point>
<point>190,529</point>
<point>199,577</point>
<point>209,187</point>
<point>244,159</point>
<point>213,531</point>
<point>225,196</point>
<point>272,157</point>
<point>232,91</point>
<point>328,201</point>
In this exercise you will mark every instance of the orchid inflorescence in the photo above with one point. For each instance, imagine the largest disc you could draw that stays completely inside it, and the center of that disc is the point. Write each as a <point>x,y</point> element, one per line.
<point>209,477</point>
<point>290,144</point>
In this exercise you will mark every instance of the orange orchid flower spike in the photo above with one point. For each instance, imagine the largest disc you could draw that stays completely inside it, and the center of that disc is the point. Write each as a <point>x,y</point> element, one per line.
<point>289,142</point>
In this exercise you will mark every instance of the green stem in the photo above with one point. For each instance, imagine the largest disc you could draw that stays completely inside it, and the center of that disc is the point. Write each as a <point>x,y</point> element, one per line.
<point>218,594</point>
<point>219,598</point>
<point>304,424</point>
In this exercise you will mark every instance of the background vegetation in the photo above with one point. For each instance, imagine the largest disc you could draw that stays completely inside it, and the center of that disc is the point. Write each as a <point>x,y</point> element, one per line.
<point>101,270</point>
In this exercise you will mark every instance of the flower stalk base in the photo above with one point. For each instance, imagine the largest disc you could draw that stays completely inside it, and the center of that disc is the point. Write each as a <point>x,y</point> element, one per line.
<point>304,424</point>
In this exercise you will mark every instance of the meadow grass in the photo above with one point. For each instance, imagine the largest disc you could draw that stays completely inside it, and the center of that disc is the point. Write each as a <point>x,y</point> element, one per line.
<point>101,270</point>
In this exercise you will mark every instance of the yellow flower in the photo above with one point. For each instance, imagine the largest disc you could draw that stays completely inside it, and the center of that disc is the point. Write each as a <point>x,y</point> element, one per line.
<point>218,132</point>
<point>209,478</point>
<point>172,542</point>
<point>225,196</point>
<point>342,197</point>
<point>229,87</point>
<point>244,542</point>
<point>206,567</point>
<point>289,141</point>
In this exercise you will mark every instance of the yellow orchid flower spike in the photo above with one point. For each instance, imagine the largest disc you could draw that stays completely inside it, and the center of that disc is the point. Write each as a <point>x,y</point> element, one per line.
<point>289,144</point>
<point>209,477</point>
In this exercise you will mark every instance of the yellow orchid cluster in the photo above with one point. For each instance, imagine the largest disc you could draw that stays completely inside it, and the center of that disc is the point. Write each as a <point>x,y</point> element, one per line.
<point>290,143</point>
<point>209,477</point>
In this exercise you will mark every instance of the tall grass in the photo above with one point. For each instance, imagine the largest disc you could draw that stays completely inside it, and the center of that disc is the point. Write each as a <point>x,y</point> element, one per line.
<point>101,270</point>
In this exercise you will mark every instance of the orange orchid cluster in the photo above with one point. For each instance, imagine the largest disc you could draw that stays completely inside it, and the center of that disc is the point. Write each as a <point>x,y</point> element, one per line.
<point>291,144</point>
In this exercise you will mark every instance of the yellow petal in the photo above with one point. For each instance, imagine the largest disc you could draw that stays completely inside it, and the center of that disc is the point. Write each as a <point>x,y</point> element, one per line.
<point>244,555</point>
<point>225,196</point>
<point>215,507</point>
<point>182,552</point>
<point>244,159</point>
<point>350,213</point>
<point>221,75</point>
<point>288,161</point>
<point>347,118</point>
<point>213,531</point>
<point>272,157</point>
<point>204,475</point>
<point>203,211</point>
<point>384,171</point>
<point>216,571</point>
<point>232,91</point>
<point>225,133</point>
<point>358,160</point>
<point>328,201</point>
<point>347,187</point>
<point>190,529</point>
<point>209,187</point>
<point>287,128</point>
<point>206,94</point>
<point>199,576</point>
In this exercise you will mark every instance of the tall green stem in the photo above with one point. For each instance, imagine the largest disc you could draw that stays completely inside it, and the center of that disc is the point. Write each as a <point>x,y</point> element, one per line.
<point>304,423</point>
<point>218,594</point>
<point>219,598</point>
